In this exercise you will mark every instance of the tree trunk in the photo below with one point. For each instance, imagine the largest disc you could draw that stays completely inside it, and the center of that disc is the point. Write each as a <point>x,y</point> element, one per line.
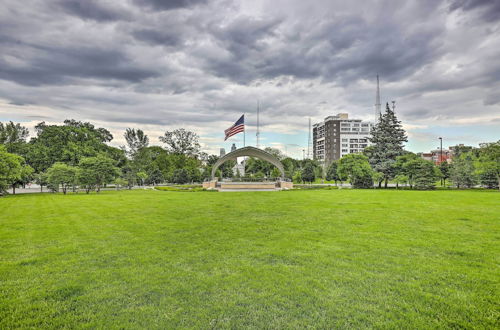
<point>380,183</point>
<point>41,188</point>
<point>385,183</point>
<point>13,189</point>
<point>397,185</point>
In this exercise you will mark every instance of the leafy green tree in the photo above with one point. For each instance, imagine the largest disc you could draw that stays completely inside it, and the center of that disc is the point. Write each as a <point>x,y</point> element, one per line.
<point>95,172</point>
<point>129,175</point>
<point>120,183</point>
<point>136,140</point>
<point>426,174</point>
<point>357,169</point>
<point>180,176</point>
<point>68,144</point>
<point>444,168</point>
<point>406,165</point>
<point>181,141</point>
<point>275,173</point>
<point>259,175</point>
<point>400,179</point>
<point>387,137</point>
<point>11,169</point>
<point>41,179</point>
<point>308,174</point>
<point>297,177</point>
<point>331,172</point>
<point>62,175</point>
<point>462,172</point>
<point>13,137</point>
<point>488,164</point>
<point>26,176</point>
<point>142,177</point>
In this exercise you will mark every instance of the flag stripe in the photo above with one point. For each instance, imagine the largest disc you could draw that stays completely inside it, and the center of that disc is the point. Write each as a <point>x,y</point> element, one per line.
<point>238,127</point>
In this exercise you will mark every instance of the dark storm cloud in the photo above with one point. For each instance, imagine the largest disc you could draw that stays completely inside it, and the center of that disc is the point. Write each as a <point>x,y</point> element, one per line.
<point>488,9</point>
<point>92,9</point>
<point>200,62</point>
<point>54,65</point>
<point>169,4</point>
<point>155,37</point>
<point>343,48</point>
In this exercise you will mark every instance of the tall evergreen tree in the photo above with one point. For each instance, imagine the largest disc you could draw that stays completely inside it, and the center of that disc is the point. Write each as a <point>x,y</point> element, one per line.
<point>387,137</point>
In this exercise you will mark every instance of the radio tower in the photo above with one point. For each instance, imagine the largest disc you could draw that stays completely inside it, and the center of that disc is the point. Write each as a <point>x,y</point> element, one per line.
<point>257,134</point>
<point>309,141</point>
<point>377,103</point>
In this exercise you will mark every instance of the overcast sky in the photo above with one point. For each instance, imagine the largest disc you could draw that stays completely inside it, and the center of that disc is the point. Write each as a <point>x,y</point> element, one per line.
<point>199,64</point>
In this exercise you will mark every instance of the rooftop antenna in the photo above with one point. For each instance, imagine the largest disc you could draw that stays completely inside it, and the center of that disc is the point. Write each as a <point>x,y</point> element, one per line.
<point>257,134</point>
<point>393,106</point>
<point>309,140</point>
<point>377,103</point>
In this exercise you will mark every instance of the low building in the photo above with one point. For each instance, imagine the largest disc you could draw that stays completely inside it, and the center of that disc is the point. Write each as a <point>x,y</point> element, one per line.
<point>337,136</point>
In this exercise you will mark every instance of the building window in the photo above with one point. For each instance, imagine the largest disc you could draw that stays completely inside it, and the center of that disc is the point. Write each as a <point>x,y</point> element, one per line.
<point>354,141</point>
<point>344,150</point>
<point>344,140</point>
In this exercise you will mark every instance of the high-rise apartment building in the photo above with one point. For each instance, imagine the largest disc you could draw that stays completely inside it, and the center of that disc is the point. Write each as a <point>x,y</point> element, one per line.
<point>338,135</point>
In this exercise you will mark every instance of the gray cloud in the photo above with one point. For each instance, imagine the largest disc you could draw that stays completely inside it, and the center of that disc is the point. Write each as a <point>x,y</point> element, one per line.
<point>488,9</point>
<point>94,10</point>
<point>201,63</point>
<point>169,4</point>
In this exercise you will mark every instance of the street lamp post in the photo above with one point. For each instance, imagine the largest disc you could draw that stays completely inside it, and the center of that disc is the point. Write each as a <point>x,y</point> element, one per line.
<point>441,155</point>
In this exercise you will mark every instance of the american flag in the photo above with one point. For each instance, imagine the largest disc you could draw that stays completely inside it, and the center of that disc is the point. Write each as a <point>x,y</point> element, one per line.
<point>238,127</point>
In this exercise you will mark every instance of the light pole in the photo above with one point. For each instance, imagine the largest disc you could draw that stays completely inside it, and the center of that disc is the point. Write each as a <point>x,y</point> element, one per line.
<point>441,155</point>
<point>440,150</point>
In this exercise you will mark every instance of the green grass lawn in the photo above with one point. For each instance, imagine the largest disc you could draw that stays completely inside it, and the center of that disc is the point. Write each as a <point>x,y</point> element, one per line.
<point>337,258</point>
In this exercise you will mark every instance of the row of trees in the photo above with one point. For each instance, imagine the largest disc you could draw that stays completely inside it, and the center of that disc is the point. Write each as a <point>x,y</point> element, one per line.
<point>76,154</point>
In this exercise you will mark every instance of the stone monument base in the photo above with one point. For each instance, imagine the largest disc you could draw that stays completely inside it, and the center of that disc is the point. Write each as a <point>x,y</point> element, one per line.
<point>233,186</point>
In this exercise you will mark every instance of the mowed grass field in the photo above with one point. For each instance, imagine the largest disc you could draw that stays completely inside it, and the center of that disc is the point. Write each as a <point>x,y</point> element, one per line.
<point>295,259</point>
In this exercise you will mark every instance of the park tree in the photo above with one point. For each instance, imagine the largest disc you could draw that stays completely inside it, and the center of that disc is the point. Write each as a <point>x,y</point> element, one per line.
<point>444,169</point>
<point>418,172</point>
<point>129,175</point>
<point>488,164</point>
<point>291,166</point>
<point>120,183</point>
<point>11,168</point>
<point>68,144</point>
<point>97,171</point>
<point>181,141</point>
<point>406,166</point>
<point>13,137</point>
<point>25,177</point>
<point>462,172</point>
<point>62,175</point>
<point>275,173</point>
<point>297,177</point>
<point>136,140</point>
<point>356,168</point>
<point>41,179</point>
<point>331,172</point>
<point>308,174</point>
<point>387,138</point>
<point>142,176</point>
<point>426,174</point>
<point>180,176</point>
